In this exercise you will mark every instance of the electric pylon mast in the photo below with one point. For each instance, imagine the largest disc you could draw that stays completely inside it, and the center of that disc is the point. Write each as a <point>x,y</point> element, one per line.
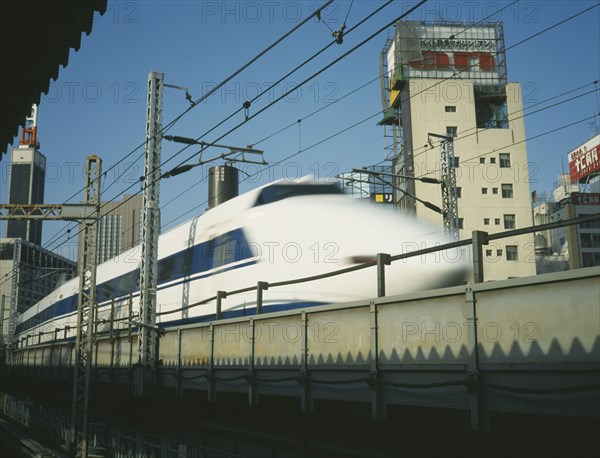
<point>150,230</point>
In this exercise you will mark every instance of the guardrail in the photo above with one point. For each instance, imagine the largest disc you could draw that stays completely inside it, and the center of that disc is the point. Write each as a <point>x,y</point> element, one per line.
<point>478,240</point>
<point>197,356</point>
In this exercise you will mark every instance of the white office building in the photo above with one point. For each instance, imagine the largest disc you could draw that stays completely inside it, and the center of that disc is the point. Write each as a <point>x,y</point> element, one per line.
<point>450,80</point>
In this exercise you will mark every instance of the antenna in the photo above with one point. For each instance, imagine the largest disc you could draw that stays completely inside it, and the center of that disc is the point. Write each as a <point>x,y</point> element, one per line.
<point>29,132</point>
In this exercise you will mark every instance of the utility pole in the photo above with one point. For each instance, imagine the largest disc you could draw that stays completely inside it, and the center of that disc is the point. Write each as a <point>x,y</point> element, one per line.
<point>86,306</point>
<point>87,213</point>
<point>147,334</point>
<point>14,288</point>
<point>448,178</point>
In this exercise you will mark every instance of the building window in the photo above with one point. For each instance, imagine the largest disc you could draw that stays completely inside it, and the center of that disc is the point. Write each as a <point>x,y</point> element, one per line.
<point>483,190</point>
<point>461,223</point>
<point>490,106</point>
<point>561,241</point>
<point>590,259</point>
<point>590,240</point>
<point>452,131</point>
<point>507,191</point>
<point>492,160</point>
<point>458,191</point>
<point>499,253</point>
<point>450,109</point>
<point>589,224</point>
<point>497,221</point>
<point>512,253</point>
<point>488,253</point>
<point>482,160</point>
<point>486,221</point>
<point>456,161</point>
<point>505,160</point>
<point>494,190</point>
<point>509,222</point>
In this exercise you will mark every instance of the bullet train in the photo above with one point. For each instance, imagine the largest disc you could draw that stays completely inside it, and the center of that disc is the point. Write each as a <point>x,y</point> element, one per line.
<point>281,231</point>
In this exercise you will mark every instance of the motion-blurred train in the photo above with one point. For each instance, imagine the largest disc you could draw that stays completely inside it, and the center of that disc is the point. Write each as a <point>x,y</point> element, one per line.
<point>281,231</point>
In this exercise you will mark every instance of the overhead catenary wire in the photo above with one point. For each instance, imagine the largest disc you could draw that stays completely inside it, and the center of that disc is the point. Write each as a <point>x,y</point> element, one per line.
<point>304,82</point>
<point>271,104</point>
<point>556,129</point>
<point>478,129</point>
<point>409,11</point>
<point>414,95</point>
<point>522,41</point>
<point>350,127</point>
<point>376,114</point>
<point>514,118</point>
<point>271,86</point>
<point>206,96</point>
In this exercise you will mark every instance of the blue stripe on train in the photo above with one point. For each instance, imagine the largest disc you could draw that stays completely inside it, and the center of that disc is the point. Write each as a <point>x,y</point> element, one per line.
<point>250,311</point>
<point>221,251</point>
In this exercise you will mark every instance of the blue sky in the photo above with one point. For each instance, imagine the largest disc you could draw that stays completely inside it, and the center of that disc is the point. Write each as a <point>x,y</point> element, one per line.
<point>97,104</point>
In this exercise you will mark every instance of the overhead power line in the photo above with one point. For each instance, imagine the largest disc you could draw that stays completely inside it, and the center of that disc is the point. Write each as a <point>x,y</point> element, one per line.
<point>414,95</point>
<point>206,95</point>
<point>200,100</point>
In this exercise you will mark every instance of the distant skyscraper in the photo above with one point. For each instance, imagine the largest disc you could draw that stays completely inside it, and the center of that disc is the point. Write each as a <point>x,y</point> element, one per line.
<point>29,273</point>
<point>118,227</point>
<point>26,181</point>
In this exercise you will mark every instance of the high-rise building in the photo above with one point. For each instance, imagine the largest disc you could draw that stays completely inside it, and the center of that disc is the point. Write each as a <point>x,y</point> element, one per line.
<point>450,80</point>
<point>119,227</point>
<point>26,181</point>
<point>28,273</point>
<point>575,194</point>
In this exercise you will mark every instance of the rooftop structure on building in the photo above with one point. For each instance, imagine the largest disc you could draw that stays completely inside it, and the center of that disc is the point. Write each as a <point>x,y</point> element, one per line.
<point>447,85</point>
<point>26,181</point>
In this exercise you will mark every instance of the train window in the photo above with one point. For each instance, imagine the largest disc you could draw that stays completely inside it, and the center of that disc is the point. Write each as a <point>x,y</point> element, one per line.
<point>278,192</point>
<point>225,250</point>
<point>175,266</point>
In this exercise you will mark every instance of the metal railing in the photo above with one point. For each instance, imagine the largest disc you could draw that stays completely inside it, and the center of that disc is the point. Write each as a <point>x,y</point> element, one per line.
<point>478,240</point>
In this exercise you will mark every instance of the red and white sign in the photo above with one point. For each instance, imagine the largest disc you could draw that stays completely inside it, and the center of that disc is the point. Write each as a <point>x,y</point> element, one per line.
<point>585,160</point>
<point>449,51</point>
<point>460,61</point>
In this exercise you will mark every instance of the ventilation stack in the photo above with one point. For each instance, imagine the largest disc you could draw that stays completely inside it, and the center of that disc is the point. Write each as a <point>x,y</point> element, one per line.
<point>223,184</point>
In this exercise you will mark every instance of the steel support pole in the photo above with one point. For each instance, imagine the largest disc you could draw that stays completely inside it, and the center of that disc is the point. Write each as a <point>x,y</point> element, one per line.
<point>3,335</point>
<point>111,339</point>
<point>212,383</point>
<point>147,332</point>
<point>179,386</point>
<point>383,260</point>
<point>479,414</point>
<point>252,393</point>
<point>306,404</point>
<point>220,296</point>
<point>14,293</point>
<point>480,238</point>
<point>377,403</point>
<point>260,287</point>
<point>86,306</point>
<point>448,179</point>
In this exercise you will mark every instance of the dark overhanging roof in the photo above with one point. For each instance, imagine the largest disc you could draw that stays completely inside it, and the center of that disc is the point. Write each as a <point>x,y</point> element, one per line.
<point>35,40</point>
